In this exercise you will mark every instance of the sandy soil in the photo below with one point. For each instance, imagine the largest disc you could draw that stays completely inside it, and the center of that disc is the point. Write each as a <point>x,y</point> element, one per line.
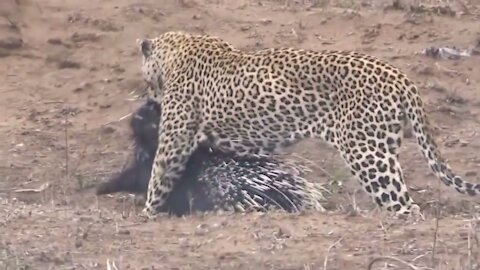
<point>71,72</point>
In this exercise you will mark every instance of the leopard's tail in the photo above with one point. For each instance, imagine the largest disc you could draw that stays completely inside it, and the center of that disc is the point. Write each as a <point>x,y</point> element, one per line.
<point>415,112</point>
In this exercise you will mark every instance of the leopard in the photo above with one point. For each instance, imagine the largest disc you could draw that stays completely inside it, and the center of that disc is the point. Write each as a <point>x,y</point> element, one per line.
<point>259,101</point>
<point>214,181</point>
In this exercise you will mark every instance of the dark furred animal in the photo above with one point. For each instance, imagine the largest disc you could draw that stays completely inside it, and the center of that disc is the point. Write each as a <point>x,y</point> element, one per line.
<point>213,180</point>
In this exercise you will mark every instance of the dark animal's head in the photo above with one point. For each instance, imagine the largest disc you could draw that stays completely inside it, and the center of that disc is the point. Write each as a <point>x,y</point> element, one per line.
<point>135,177</point>
<point>144,126</point>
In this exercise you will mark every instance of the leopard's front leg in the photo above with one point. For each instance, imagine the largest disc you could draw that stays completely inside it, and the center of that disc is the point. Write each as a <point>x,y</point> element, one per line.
<point>178,139</point>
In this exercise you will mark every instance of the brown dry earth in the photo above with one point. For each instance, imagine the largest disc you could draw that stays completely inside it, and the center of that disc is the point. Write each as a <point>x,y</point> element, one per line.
<point>71,72</point>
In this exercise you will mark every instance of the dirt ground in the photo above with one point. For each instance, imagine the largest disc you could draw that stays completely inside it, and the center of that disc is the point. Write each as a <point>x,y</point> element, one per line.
<point>71,75</point>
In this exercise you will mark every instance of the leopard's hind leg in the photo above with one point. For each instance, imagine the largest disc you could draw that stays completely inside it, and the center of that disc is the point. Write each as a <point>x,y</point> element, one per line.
<point>371,151</point>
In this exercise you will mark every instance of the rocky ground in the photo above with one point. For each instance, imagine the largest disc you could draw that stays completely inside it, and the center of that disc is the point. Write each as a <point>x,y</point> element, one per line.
<point>71,76</point>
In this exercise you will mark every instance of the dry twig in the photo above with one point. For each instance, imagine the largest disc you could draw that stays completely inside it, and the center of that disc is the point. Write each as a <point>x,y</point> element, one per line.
<point>119,120</point>
<point>437,220</point>
<point>33,190</point>
<point>67,173</point>
<point>388,258</point>
<point>325,261</point>
<point>112,265</point>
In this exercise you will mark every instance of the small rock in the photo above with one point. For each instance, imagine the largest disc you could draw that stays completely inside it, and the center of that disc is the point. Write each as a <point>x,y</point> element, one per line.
<point>118,69</point>
<point>437,88</point>
<point>78,243</point>
<point>245,28</point>
<point>201,229</point>
<point>282,233</point>
<point>82,87</point>
<point>68,64</point>
<point>54,41</point>
<point>107,130</point>
<point>79,37</point>
<point>85,85</point>
<point>425,70</point>
<point>11,43</point>
<point>196,17</point>
<point>446,53</point>
<point>471,174</point>
<point>451,143</point>
<point>266,21</point>
<point>124,232</point>
<point>464,235</point>
<point>105,106</point>
<point>218,225</point>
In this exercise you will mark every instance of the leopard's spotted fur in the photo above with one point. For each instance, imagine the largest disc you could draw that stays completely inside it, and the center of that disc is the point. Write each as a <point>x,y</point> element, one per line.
<point>256,102</point>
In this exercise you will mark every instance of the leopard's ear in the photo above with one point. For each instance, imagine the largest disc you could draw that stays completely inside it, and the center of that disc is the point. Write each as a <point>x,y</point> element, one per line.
<point>145,46</point>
